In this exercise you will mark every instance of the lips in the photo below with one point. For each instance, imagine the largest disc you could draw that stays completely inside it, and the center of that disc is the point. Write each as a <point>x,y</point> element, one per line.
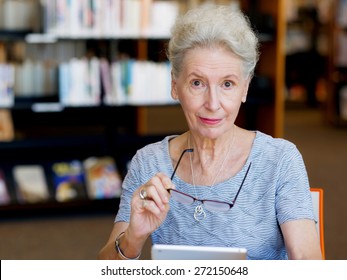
<point>210,121</point>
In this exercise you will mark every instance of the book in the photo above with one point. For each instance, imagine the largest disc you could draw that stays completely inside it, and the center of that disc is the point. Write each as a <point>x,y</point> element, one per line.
<point>19,15</point>
<point>30,183</point>
<point>4,193</point>
<point>109,18</point>
<point>6,85</point>
<point>64,82</point>
<point>79,82</point>
<point>2,52</point>
<point>163,16</point>
<point>68,180</point>
<point>6,125</point>
<point>106,80</point>
<point>102,178</point>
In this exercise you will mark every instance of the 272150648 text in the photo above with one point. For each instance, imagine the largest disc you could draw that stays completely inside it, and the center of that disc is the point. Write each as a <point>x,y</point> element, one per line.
<point>206,270</point>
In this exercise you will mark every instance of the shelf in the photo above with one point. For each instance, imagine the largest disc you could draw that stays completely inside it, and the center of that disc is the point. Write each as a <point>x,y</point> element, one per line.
<point>27,102</point>
<point>337,72</point>
<point>49,143</point>
<point>52,104</point>
<point>53,208</point>
<point>52,38</point>
<point>46,38</point>
<point>9,35</point>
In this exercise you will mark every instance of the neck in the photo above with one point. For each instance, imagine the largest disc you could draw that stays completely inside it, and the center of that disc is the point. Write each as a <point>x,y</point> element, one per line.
<point>208,162</point>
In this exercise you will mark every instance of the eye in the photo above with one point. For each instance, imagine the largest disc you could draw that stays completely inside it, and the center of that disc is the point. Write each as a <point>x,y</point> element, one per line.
<point>196,83</point>
<point>228,84</point>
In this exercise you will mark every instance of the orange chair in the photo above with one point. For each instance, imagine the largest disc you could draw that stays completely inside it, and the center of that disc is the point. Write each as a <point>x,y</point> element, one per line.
<point>317,201</point>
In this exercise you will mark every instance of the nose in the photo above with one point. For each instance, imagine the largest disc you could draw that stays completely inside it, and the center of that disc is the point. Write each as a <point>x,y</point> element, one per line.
<point>212,99</point>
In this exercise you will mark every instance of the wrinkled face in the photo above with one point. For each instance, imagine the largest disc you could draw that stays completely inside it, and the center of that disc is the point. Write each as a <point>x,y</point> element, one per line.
<point>210,88</point>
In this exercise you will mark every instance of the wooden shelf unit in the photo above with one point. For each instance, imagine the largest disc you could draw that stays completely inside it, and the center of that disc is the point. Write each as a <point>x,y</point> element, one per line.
<point>337,74</point>
<point>149,123</point>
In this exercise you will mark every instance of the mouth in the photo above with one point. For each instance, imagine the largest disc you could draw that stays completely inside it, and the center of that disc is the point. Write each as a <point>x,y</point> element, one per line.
<point>210,121</point>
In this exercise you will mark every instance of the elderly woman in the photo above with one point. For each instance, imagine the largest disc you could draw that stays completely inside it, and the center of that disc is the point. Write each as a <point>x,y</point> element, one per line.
<point>216,184</point>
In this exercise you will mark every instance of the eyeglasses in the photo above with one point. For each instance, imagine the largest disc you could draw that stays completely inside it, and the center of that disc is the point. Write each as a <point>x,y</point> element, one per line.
<point>211,205</point>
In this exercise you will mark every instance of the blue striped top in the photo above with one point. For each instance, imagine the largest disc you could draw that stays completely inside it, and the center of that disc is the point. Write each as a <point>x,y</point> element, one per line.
<point>276,191</point>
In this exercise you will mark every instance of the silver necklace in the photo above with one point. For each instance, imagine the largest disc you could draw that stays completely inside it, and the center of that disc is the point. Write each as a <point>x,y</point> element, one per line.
<point>199,213</point>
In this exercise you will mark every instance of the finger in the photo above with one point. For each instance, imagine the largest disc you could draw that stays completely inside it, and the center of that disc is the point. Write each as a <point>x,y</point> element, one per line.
<point>166,182</point>
<point>152,193</point>
<point>144,204</point>
<point>151,206</point>
<point>156,189</point>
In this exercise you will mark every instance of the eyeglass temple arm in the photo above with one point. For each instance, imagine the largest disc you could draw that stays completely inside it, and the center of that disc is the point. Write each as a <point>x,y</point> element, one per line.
<point>244,178</point>
<point>179,160</point>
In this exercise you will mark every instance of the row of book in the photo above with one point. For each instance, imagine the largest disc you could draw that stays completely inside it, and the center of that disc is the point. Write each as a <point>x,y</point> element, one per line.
<point>109,17</point>
<point>88,82</point>
<point>20,15</point>
<point>341,18</point>
<point>123,82</point>
<point>93,178</point>
<point>32,78</point>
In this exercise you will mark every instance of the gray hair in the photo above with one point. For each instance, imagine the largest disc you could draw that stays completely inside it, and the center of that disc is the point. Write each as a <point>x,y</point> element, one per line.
<point>213,25</point>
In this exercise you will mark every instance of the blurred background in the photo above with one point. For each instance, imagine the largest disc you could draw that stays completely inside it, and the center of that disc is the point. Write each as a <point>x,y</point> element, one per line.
<point>84,84</point>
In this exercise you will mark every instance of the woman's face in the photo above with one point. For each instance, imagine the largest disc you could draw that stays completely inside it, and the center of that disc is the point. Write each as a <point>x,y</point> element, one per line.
<point>210,88</point>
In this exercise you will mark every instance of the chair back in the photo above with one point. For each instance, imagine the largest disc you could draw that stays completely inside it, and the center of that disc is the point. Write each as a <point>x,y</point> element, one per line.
<point>317,201</point>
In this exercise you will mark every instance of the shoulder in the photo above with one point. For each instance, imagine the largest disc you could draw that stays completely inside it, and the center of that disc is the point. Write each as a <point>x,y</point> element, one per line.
<point>273,149</point>
<point>154,149</point>
<point>270,143</point>
<point>152,156</point>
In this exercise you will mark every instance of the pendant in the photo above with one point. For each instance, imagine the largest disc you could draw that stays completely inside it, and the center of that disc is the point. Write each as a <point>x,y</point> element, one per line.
<point>199,213</point>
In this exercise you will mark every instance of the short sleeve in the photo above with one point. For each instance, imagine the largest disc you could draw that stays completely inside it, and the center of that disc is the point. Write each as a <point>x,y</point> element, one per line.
<point>130,184</point>
<point>293,197</point>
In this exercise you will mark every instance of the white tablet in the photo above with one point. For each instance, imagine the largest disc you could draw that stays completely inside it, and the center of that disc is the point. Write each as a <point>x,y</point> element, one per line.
<point>185,252</point>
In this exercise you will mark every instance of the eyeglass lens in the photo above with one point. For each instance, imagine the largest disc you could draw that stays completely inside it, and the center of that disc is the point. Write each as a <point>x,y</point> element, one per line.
<point>210,205</point>
<point>217,206</point>
<point>181,197</point>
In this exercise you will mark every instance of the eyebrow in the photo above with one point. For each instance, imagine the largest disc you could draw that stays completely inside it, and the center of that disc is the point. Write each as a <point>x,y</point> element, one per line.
<point>202,75</point>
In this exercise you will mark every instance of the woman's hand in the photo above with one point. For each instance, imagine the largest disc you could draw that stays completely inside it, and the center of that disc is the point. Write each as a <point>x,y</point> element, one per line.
<point>149,206</point>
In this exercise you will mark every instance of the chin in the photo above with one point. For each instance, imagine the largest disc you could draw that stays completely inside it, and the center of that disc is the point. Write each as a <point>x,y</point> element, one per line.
<point>211,134</point>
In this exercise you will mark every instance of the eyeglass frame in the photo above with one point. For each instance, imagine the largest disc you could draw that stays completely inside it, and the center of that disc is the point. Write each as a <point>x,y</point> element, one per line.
<point>206,200</point>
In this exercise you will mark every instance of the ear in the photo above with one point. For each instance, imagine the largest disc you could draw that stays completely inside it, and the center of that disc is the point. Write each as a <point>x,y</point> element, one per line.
<point>174,94</point>
<point>245,91</point>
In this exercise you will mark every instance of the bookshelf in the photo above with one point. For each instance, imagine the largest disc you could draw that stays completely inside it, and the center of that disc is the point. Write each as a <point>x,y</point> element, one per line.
<point>271,64</point>
<point>48,129</point>
<point>307,52</point>
<point>337,99</point>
